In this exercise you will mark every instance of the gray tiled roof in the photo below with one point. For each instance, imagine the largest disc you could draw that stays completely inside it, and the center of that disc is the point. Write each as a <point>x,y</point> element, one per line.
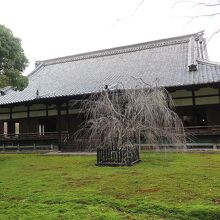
<point>166,60</point>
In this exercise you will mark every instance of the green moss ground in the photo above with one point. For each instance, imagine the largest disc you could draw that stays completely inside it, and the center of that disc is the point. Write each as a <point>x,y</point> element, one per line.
<point>163,186</point>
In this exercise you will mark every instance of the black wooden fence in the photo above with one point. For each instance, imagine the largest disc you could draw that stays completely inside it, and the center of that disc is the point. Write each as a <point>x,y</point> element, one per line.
<point>118,157</point>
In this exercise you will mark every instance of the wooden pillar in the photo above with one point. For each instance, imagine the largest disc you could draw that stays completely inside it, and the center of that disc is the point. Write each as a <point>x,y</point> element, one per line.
<point>194,109</point>
<point>193,98</point>
<point>10,127</point>
<point>219,94</point>
<point>47,109</point>
<point>59,126</point>
<point>68,117</point>
<point>28,119</point>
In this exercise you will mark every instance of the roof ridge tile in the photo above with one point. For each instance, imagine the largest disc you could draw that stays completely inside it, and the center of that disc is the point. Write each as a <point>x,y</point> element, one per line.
<point>113,51</point>
<point>122,49</point>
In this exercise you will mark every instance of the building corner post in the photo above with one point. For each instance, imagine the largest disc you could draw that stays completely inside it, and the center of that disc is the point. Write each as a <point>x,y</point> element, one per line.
<point>59,126</point>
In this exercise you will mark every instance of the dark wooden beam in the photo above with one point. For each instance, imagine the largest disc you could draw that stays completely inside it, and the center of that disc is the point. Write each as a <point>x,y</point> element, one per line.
<point>68,117</point>
<point>47,109</point>
<point>10,121</point>
<point>219,94</point>
<point>59,125</point>
<point>193,97</point>
<point>28,118</point>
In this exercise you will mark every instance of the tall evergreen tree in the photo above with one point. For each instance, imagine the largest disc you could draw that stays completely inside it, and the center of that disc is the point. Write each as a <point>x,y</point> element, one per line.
<point>12,60</point>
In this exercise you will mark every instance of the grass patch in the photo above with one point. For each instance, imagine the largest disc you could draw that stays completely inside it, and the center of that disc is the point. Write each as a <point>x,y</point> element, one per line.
<point>163,186</point>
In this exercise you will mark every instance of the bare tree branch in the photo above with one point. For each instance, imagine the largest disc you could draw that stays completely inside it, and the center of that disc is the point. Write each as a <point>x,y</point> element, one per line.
<point>216,32</point>
<point>210,14</point>
<point>138,6</point>
<point>196,4</point>
<point>204,15</point>
<point>133,13</point>
<point>116,118</point>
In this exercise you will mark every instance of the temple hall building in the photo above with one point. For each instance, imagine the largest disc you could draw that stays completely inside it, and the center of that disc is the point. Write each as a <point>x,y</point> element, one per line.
<point>43,112</point>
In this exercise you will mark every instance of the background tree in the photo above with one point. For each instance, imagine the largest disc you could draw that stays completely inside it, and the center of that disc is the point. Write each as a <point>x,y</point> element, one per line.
<point>12,60</point>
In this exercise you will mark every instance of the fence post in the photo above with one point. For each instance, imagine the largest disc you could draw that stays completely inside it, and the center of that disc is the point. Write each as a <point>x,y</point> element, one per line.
<point>118,155</point>
<point>98,155</point>
<point>109,155</point>
<point>139,140</point>
<point>106,155</point>
<point>128,157</point>
<point>34,147</point>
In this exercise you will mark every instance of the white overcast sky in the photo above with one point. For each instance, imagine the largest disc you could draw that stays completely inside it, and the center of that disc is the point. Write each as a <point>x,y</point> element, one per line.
<point>54,28</point>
